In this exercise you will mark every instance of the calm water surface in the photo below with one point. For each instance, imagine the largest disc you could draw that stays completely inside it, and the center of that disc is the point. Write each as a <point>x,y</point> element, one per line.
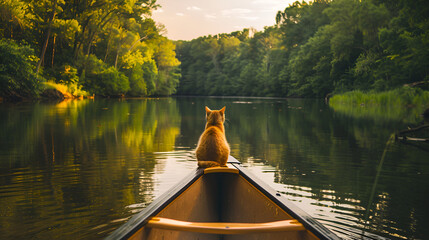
<point>79,169</point>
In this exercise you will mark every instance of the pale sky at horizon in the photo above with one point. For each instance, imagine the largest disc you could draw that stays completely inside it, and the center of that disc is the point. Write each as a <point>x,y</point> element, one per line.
<point>189,19</point>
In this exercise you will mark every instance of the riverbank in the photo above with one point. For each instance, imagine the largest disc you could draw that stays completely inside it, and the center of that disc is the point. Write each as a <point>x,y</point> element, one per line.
<point>404,104</point>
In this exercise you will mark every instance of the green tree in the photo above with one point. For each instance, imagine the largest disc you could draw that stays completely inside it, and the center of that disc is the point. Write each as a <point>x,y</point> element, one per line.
<point>99,78</point>
<point>48,34</point>
<point>405,45</point>
<point>17,77</point>
<point>310,66</point>
<point>168,67</point>
<point>15,18</point>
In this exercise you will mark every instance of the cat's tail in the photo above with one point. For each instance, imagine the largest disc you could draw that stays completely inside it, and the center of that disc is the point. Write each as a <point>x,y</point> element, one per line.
<point>207,164</point>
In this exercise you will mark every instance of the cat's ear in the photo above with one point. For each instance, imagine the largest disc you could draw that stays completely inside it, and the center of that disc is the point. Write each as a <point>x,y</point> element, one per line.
<point>208,110</point>
<point>222,110</point>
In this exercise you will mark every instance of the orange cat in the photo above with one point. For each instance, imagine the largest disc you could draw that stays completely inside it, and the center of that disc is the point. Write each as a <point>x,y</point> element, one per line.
<point>213,149</point>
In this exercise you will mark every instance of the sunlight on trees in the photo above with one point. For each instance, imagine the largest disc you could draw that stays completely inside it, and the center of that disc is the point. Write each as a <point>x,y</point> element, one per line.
<point>315,48</point>
<point>114,46</point>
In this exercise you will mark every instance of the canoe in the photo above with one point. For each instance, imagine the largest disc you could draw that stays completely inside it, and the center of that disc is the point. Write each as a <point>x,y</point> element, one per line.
<point>222,203</point>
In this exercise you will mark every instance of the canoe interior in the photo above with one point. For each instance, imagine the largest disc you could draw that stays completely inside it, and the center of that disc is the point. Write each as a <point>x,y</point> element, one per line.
<point>222,197</point>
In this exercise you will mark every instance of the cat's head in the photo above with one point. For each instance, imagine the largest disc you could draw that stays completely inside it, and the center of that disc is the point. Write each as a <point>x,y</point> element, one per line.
<point>214,117</point>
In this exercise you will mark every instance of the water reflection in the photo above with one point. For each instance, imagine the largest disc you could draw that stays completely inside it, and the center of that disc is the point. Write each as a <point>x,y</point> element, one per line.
<point>331,159</point>
<point>79,169</point>
<point>68,167</point>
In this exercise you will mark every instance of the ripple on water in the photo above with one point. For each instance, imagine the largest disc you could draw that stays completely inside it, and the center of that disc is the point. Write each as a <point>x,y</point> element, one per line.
<point>341,215</point>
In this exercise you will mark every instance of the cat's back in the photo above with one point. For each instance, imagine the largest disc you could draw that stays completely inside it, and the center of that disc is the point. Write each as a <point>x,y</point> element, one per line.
<point>212,146</point>
<point>213,132</point>
<point>212,137</point>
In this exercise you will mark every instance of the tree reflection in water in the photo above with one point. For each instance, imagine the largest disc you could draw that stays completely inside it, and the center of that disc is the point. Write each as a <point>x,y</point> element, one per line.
<point>79,169</point>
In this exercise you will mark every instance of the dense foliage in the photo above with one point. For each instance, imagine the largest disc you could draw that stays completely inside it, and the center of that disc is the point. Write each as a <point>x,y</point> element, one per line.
<point>109,47</point>
<point>114,48</point>
<point>17,77</point>
<point>315,49</point>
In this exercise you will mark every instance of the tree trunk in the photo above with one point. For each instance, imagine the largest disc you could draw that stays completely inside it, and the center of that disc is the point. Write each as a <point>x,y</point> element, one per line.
<point>77,45</point>
<point>129,49</point>
<point>101,25</point>
<point>53,50</point>
<point>107,47</point>
<point>76,36</point>
<point>117,53</point>
<point>45,45</point>
<point>11,29</point>
<point>91,38</point>
<point>107,50</point>
<point>134,44</point>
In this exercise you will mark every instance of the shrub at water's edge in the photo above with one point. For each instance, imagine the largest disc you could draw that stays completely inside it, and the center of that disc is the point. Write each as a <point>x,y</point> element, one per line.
<point>403,104</point>
<point>19,81</point>
<point>17,77</point>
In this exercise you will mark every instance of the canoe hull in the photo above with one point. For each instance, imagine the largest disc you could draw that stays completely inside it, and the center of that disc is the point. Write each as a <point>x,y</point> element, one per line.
<point>234,196</point>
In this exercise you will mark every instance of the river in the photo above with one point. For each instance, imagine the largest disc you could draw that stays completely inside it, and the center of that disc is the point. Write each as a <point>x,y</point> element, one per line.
<point>79,169</point>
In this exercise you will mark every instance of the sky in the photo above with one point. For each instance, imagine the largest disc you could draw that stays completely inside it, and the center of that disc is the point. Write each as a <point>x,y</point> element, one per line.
<point>189,19</point>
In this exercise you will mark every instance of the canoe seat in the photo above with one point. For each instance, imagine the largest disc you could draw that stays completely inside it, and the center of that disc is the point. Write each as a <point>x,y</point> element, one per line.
<point>223,227</point>
<point>221,170</point>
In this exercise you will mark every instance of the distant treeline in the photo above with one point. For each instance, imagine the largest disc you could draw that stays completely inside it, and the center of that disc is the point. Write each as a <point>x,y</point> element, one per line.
<point>107,48</point>
<point>114,48</point>
<point>316,48</point>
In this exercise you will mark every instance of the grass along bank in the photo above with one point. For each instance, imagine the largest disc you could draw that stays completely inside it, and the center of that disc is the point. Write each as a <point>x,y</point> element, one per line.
<point>403,104</point>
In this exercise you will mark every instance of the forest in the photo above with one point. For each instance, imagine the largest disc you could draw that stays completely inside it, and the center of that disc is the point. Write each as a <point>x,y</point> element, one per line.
<point>104,48</point>
<point>114,48</point>
<point>315,49</point>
